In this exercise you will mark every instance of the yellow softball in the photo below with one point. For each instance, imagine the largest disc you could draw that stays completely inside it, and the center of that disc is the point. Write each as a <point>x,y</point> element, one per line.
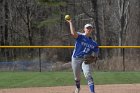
<point>67,17</point>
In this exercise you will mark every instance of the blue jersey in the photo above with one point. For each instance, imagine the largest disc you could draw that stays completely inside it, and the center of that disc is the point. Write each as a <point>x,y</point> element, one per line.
<point>84,46</point>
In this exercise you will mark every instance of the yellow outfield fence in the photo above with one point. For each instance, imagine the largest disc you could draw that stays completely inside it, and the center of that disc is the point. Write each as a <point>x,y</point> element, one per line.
<point>66,46</point>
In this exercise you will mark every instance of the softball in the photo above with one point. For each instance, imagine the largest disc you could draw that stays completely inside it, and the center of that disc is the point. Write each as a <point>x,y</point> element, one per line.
<point>67,17</point>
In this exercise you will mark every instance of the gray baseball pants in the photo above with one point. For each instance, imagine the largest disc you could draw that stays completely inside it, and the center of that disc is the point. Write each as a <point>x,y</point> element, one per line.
<point>77,66</point>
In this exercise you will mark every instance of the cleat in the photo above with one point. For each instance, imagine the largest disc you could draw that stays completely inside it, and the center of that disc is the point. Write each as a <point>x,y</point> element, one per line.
<point>77,90</point>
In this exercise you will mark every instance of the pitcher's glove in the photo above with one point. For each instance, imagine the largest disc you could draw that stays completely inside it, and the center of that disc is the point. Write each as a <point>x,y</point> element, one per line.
<point>90,59</point>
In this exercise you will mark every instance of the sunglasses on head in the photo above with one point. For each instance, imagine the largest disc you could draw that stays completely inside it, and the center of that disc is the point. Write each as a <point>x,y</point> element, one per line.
<point>89,27</point>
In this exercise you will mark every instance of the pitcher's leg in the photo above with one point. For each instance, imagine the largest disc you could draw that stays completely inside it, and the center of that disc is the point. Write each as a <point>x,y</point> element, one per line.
<point>76,67</point>
<point>88,75</point>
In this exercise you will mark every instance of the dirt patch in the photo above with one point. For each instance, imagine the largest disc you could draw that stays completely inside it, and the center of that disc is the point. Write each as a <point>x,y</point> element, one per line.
<point>117,88</point>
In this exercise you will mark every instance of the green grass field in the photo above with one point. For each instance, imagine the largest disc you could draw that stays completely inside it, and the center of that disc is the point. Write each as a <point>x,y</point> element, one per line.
<point>43,79</point>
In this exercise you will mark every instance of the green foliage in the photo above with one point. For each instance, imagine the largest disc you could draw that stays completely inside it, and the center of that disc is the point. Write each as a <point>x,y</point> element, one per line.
<point>55,12</point>
<point>43,1</point>
<point>48,22</point>
<point>55,3</point>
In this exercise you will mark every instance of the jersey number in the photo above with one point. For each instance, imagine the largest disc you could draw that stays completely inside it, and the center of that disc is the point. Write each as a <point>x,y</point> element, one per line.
<point>86,50</point>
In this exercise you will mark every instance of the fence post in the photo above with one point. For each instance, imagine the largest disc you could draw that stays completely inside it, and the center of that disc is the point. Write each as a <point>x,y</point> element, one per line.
<point>123,60</point>
<point>39,60</point>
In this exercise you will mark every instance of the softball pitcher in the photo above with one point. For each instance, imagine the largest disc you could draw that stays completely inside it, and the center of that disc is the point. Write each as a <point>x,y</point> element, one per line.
<point>86,49</point>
